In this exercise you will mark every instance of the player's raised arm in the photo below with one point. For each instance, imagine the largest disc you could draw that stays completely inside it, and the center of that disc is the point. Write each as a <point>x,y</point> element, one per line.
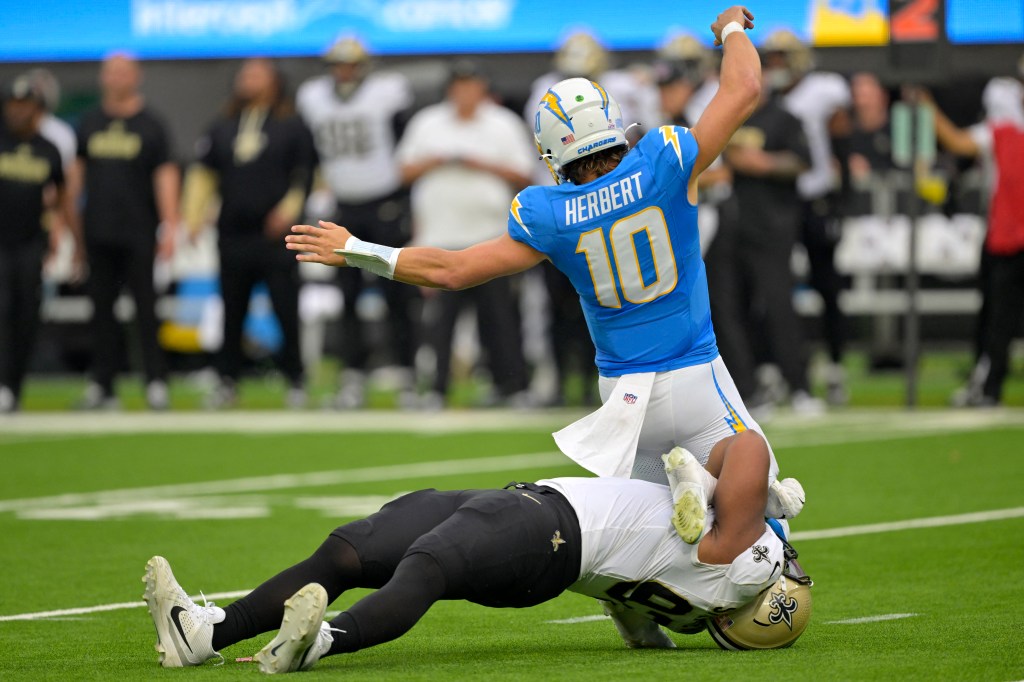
<point>420,265</point>
<point>738,91</point>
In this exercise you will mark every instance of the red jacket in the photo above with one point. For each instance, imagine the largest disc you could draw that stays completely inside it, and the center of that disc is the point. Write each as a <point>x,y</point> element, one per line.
<point>1006,213</point>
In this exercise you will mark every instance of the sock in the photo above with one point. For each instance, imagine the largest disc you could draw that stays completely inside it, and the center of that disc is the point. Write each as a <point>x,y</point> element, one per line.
<point>392,610</point>
<point>335,565</point>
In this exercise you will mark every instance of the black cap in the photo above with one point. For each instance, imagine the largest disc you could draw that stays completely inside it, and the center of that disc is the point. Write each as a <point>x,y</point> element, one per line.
<point>23,88</point>
<point>466,68</point>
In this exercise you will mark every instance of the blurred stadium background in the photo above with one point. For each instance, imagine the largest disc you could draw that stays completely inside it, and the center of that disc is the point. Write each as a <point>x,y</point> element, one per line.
<point>191,50</point>
<point>904,586</point>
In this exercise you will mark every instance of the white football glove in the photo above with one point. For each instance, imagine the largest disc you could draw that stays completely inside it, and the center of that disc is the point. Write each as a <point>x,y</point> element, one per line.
<point>785,499</point>
<point>637,631</point>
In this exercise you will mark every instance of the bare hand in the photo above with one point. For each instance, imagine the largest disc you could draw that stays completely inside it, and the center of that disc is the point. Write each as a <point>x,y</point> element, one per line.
<point>165,247</point>
<point>751,161</point>
<point>79,266</point>
<point>275,225</point>
<point>741,15</point>
<point>317,244</point>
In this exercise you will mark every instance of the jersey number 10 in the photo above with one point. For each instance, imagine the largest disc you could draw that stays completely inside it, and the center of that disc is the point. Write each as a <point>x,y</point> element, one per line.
<point>623,237</point>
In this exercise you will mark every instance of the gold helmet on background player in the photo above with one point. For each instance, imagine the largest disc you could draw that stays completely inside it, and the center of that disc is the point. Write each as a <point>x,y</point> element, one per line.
<point>349,61</point>
<point>581,55</point>
<point>774,619</point>
<point>786,59</point>
<point>687,55</point>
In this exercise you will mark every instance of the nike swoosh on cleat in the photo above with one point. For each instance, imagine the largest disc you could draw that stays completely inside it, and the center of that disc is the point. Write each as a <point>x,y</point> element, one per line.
<point>175,618</point>
<point>302,659</point>
<point>273,652</point>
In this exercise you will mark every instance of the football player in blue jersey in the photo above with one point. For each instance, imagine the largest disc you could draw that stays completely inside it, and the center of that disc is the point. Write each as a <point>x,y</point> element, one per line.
<point>621,223</point>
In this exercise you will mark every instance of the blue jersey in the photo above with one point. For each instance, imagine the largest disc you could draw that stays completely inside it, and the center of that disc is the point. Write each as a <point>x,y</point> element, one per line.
<point>628,241</point>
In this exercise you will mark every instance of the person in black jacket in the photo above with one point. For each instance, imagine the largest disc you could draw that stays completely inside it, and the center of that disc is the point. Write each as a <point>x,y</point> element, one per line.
<point>31,176</point>
<point>131,212</point>
<point>766,155</point>
<point>259,156</point>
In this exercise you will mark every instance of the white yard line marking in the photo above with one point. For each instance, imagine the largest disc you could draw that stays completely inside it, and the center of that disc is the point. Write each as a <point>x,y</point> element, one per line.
<point>59,613</point>
<point>52,425</point>
<point>578,619</point>
<point>871,619</point>
<point>931,522</point>
<point>393,472</point>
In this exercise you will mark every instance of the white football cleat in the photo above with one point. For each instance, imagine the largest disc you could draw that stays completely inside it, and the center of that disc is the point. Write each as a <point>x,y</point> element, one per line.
<point>304,636</point>
<point>637,631</point>
<point>686,478</point>
<point>184,629</point>
<point>785,499</point>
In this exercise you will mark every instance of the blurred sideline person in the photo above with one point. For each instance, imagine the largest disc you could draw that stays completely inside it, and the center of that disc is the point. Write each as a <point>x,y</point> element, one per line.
<point>820,100</point>
<point>1002,142</point>
<point>54,129</point>
<point>356,115</point>
<point>685,79</point>
<point>259,157</point>
<point>31,176</point>
<point>1003,101</point>
<point>662,380</point>
<point>580,54</point>
<point>465,158</point>
<point>514,548</point>
<point>766,156</point>
<point>131,187</point>
<point>870,137</point>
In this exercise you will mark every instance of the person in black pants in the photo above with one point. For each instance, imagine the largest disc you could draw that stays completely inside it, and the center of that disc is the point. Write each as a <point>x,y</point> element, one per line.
<point>259,156</point>
<point>356,114</point>
<point>131,212</point>
<point>766,156</point>
<point>30,169</point>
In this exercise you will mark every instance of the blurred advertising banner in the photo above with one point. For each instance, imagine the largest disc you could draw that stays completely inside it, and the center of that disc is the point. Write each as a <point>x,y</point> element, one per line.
<point>171,29</point>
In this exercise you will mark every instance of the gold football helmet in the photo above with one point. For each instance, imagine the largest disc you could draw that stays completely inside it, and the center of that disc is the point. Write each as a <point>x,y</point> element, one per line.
<point>798,55</point>
<point>683,47</point>
<point>581,55</point>
<point>347,50</point>
<point>774,619</point>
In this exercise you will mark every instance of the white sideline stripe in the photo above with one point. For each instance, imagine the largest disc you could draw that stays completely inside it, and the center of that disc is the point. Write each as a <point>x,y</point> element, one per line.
<point>578,619</point>
<point>931,522</point>
<point>871,619</point>
<point>111,607</point>
<point>393,472</point>
<point>867,420</point>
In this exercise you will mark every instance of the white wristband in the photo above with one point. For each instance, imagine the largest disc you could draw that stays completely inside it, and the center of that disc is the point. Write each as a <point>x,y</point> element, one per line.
<point>376,258</point>
<point>730,28</point>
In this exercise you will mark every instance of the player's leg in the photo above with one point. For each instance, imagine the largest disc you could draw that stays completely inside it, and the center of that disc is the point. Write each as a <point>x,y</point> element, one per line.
<point>740,464</point>
<point>502,548</point>
<point>236,284</point>
<point>140,282</point>
<point>105,280</point>
<point>1007,294</point>
<point>359,554</point>
<point>283,284</point>
<point>363,553</point>
<point>440,315</point>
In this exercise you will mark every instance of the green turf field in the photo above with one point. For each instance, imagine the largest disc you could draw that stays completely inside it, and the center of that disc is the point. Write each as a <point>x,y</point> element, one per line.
<point>231,498</point>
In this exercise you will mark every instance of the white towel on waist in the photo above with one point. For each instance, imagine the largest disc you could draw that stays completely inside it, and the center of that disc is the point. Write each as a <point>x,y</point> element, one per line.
<point>604,442</point>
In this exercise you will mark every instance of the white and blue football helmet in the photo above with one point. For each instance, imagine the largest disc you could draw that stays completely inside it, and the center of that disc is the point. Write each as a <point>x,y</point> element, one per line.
<point>576,118</point>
